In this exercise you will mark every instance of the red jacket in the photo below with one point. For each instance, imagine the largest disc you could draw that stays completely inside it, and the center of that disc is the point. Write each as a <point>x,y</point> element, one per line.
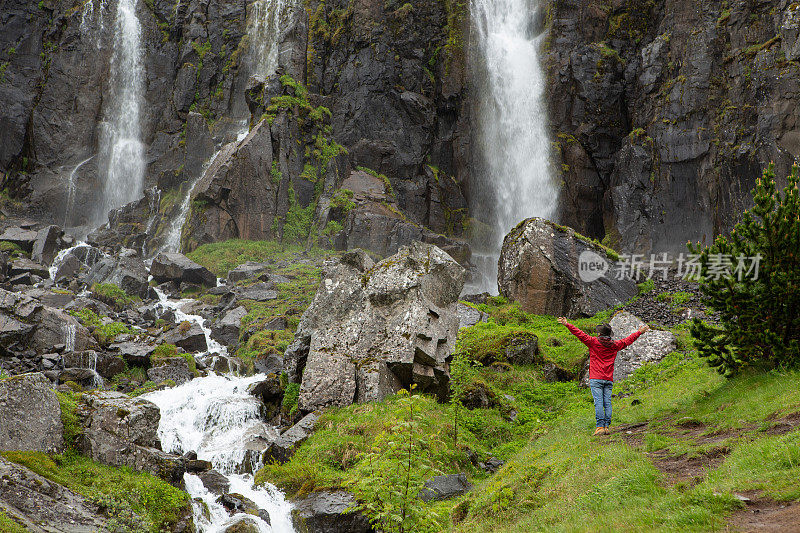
<point>602,352</point>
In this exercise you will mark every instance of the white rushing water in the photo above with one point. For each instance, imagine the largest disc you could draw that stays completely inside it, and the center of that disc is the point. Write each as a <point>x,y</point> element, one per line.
<point>263,35</point>
<point>212,416</point>
<point>512,128</point>
<point>72,187</point>
<point>122,152</point>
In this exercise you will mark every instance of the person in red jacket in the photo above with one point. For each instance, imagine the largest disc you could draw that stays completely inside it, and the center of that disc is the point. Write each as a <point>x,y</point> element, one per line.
<point>602,353</point>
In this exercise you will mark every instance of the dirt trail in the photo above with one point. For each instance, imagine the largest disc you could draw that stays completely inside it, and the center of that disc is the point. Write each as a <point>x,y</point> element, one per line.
<point>759,513</point>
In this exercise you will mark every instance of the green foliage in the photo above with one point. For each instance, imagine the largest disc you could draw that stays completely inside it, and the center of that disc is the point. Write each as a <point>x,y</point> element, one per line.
<point>11,248</point>
<point>391,474</point>
<point>759,324</point>
<point>275,174</point>
<point>291,397</point>
<point>134,501</point>
<point>298,220</point>
<point>69,417</point>
<point>7,525</point>
<point>112,295</point>
<point>104,332</point>
<point>164,350</point>
<point>331,229</point>
<point>3,67</point>
<point>202,49</point>
<point>646,286</point>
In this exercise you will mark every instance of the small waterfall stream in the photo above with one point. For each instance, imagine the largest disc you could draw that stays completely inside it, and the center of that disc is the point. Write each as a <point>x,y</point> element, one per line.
<point>512,129</point>
<point>121,147</point>
<point>212,416</point>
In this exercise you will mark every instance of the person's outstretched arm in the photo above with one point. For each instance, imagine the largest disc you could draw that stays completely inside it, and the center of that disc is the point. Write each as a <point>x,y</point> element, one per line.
<point>627,341</point>
<point>583,337</point>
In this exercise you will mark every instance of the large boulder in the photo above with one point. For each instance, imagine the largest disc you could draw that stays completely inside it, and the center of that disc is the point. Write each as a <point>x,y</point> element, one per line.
<point>23,265</point>
<point>650,347</point>
<point>226,329</point>
<point>36,501</point>
<point>444,487</point>
<point>179,268</point>
<point>123,431</point>
<point>249,270</point>
<point>24,238</point>
<point>55,327</point>
<point>175,369</point>
<point>329,512</point>
<point>30,415</point>
<point>540,266</point>
<point>374,329</point>
<point>46,245</point>
<point>128,273</point>
<point>187,335</point>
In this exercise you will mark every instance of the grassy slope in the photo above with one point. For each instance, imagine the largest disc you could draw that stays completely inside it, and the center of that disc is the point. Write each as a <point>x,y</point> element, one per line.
<point>558,477</point>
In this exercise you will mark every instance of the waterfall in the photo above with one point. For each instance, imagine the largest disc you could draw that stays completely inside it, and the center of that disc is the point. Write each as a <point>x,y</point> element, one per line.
<point>69,340</point>
<point>213,416</point>
<point>121,148</point>
<point>262,34</point>
<point>511,127</point>
<point>72,186</point>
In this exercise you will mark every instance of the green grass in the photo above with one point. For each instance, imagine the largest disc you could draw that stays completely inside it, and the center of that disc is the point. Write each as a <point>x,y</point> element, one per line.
<point>559,478</point>
<point>7,525</point>
<point>221,257</point>
<point>132,500</point>
<point>507,321</point>
<point>105,333</point>
<point>112,295</point>
<point>566,481</point>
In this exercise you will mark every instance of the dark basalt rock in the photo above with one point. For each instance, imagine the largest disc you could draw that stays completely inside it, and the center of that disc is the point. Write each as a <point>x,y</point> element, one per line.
<point>327,512</point>
<point>179,268</point>
<point>539,268</point>
<point>445,487</point>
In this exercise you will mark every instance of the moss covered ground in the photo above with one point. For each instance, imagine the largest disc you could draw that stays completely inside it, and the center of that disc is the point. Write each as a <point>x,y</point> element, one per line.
<point>685,441</point>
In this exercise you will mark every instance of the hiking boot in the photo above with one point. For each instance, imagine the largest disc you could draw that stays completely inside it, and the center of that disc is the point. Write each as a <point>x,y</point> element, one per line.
<point>598,431</point>
<point>606,431</point>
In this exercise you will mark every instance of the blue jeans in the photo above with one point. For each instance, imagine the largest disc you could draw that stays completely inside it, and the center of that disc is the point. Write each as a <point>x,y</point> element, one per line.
<point>601,392</point>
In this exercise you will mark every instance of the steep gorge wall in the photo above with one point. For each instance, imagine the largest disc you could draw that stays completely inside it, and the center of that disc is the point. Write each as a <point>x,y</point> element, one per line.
<point>662,113</point>
<point>665,112</point>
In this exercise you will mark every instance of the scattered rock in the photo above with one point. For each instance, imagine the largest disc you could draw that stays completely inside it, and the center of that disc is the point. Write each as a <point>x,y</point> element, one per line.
<point>650,347</point>
<point>373,329</point>
<point>127,273</point>
<point>282,449</point>
<point>214,481</point>
<point>24,238</point>
<point>46,245</point>
<point>23,265</point>
<point>469,316</point>
<point>539,268</point>
<point>179,268</point>
<point>175,369</point>
<point>260,292</point>
<point>226,330</point>
<point>554,373</point>
<point>249,270</point>
<point>187,335</point>
<point>36,501</point>
<point>30,415</point>
<point>445,487</point>
<point>327,512</point>
<point>123,431</point>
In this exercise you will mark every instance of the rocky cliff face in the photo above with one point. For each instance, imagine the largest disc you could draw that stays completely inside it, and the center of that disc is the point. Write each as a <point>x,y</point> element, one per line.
<point>333,87</point>
<point>662,114</point>
<point>666,111</point>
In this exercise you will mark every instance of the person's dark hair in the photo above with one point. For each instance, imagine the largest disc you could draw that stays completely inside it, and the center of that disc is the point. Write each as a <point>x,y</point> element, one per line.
<point>604,330</point>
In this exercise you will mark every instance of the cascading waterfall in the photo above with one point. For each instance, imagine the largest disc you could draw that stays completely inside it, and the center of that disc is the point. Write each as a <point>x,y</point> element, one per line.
<point>512,127</point>
<point>121,148</point>
<point>72,186</point>
<point>212,416</point>
<point>263,32</point>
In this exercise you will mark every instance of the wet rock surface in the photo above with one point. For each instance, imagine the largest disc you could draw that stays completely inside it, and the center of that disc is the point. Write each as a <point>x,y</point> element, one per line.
<point>650,347</point>
<point>324,512</point>
<point>375,328</point>
<point>30,415</point>
<point>540,268</point>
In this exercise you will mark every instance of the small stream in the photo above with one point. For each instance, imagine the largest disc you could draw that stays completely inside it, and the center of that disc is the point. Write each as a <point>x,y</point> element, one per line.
<point>212,416</point>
